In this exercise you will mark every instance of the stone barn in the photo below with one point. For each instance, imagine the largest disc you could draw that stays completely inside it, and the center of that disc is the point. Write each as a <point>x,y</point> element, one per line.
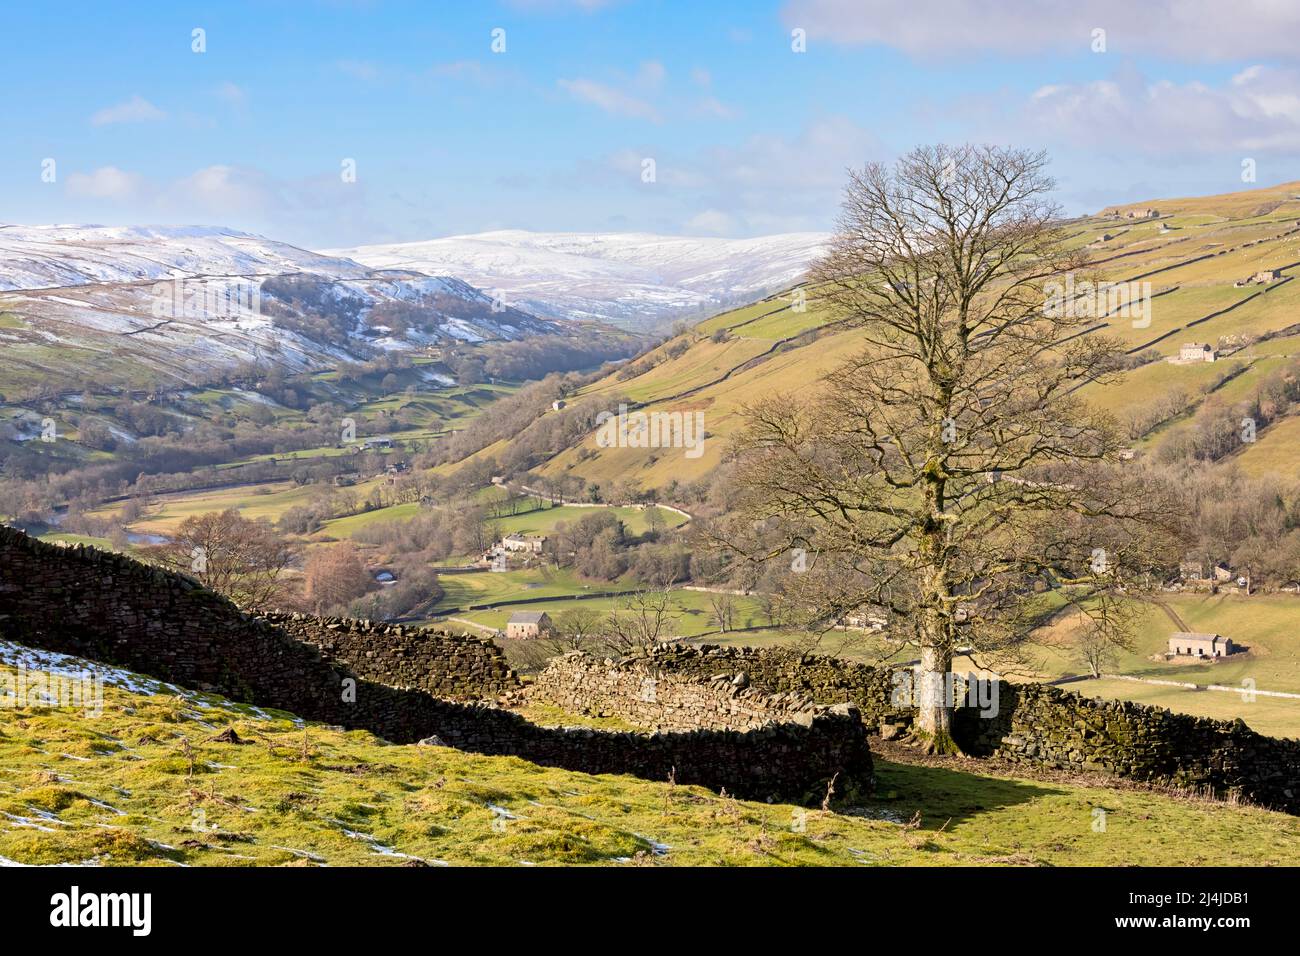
<point>1194,352</point>
<point>1197,644</point>
<point>528,624</point>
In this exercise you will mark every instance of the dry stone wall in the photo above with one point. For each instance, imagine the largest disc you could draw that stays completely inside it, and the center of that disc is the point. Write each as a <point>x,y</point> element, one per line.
<point>642,694</point>
<point>789,760</point>
<point>445,665</point>
<point>1034,724</point>
<point>114,610</point>
<point>111,608</point>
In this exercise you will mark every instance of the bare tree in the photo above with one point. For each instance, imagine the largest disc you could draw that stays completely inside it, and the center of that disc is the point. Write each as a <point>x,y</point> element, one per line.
<point>1101,625</point>
<point>641,620</point>
<point>654,520</point>
<point>723,607</point>
<point>238,557</point>
<point>773,607</point>
<point>334,577</point>
<point>950,468</point>
<point>577,629</point>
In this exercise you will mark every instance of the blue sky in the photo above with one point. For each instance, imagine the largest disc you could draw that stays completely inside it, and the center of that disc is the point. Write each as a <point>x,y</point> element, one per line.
<point>748,136</point>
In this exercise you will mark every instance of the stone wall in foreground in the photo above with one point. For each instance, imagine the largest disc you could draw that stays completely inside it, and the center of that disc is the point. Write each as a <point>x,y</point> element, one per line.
<point>1034,724</point>
<point>454,666</point>
<point>114,610</point>
<point>646,696</point>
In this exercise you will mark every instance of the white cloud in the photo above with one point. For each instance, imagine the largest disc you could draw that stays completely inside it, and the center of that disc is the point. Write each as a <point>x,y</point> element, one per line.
<point>106,182</point>
<point>233,94</point>
<point>1258,110</point>
<point>223,190</point>
<point>650,76</point>
<point>559,6</point>
<point>762,184</point>
<point>711,222</point>
<point>135,110</point>
<point>611,100</point>
<point>1194,30</point>
<point>713,107</point>
<point>476,73</point>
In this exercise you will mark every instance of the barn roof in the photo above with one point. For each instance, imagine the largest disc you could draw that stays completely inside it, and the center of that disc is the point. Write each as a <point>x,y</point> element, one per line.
<point>527,617</point>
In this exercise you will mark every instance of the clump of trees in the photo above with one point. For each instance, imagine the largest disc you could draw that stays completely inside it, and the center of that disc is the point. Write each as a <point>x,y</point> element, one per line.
<point>334,577</point>
<point>415,588</point>
<point>241,558</point>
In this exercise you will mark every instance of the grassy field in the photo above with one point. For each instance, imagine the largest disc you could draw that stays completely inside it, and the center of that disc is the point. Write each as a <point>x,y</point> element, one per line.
<point>691,613</point>
<point>1276,717</point>
<point>1264,624</point>
<point>340,528</point>
<point>489,586</point>
<point>145,784</point>
<point>268,500</point>
<point>73,539</point>
<point>543,520</point>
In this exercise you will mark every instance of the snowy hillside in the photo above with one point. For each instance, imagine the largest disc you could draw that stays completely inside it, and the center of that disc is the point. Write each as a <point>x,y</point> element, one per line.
<point>635,279</point>
<point>42,257</point>
<point>180,300</point>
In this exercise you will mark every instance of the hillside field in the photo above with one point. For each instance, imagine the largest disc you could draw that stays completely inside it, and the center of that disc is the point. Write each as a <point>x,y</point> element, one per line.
<point>144,783</point>
<point>1193,254</point>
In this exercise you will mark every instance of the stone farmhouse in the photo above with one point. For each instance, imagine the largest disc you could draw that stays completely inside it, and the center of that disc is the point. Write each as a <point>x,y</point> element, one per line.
<point>865,622</point>
<point>531,543</point>
<point>1198,644</point>
<point>1148,213</point>
<point>528,624</point>
<point>1193,352</point>
<point>1263,277</point>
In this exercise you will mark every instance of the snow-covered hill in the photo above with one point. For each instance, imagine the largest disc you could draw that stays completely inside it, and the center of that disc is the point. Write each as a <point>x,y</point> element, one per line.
<point>635,279</point>
<point>161,297</point>
<point>42,257</point>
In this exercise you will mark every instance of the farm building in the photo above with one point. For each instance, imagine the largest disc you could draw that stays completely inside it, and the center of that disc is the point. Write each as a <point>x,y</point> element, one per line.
<point>1196,352</point>
<point>524,542</point>
<point>527,624</point>
<point>1198,644</point>
<point>865,622</point>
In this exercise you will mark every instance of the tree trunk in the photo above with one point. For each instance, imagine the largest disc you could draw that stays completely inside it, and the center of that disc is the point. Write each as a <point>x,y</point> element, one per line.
<point>933,708</point>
